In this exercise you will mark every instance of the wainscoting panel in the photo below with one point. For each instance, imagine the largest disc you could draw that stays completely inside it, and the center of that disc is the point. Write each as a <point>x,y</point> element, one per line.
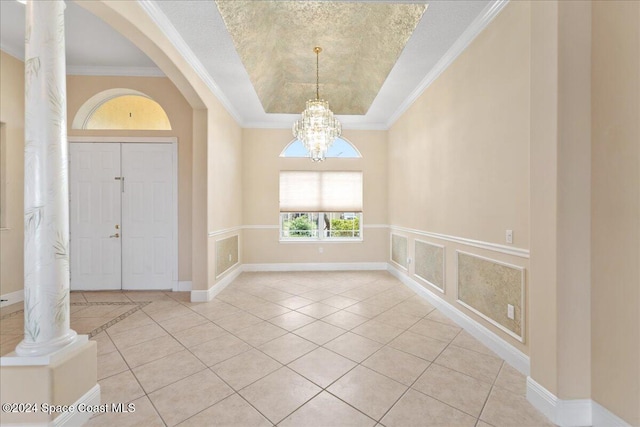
<point>429,263</point>
<point>486,286</point>
<point>226,254</point>
<point>399,250</point>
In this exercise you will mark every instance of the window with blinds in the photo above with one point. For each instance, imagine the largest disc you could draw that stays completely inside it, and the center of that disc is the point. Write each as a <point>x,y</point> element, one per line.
<point>320,205</point>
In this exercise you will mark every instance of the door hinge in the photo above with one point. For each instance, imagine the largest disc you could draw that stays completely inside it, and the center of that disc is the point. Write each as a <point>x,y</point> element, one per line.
<point>121,179</point>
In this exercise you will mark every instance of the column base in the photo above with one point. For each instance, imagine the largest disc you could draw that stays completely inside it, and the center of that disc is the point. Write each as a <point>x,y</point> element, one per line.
<point>66,379</point>
<point>29,349</point>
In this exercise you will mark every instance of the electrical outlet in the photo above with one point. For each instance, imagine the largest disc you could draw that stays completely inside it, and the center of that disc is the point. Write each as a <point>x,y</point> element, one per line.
<point>320,250</point>
<point>509,236</point>
<point>510,312</point>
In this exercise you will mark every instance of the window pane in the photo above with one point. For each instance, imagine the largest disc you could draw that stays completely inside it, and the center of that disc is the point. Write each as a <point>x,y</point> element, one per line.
<point>339,148</point>
<point>343,225</point>
<point>299,225</point>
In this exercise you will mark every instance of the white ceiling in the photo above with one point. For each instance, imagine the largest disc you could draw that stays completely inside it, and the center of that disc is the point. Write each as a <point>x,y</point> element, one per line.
<point>197,29</point>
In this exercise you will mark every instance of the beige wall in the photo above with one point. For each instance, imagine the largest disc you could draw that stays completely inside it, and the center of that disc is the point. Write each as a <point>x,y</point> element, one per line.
<point>459,156</point>
<point>12,115</point>
<point>261,149</point>
<point>180,113</point>
<point>615,263</point>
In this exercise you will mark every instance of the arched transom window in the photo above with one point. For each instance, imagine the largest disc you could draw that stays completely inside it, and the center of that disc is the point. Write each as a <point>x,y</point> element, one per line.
<point>340,148</point>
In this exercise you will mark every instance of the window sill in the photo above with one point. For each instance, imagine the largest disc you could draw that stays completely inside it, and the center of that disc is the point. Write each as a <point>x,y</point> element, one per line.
<point>321,241</point>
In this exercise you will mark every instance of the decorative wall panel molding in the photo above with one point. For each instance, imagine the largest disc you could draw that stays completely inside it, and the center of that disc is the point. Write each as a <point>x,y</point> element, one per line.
<point>227,254</point>
<point>487,287</point>
<point>399,250</point>
<point>430,264</point>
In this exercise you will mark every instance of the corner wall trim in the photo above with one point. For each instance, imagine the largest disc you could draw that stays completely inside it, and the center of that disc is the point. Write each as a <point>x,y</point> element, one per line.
<point>565,413</point>
<point>509,353</point>
<point>324,266</point>
<point>209,294</point>
<point>78,418</point>
<point>12,298</point>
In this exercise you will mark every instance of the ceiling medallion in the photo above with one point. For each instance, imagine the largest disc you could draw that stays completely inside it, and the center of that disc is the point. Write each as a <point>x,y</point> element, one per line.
<point>317,128</point>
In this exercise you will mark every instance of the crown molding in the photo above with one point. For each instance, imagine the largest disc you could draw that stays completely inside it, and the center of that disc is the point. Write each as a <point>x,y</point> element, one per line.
<point>89,70</point>
<point>167,28</point>
<point>480,23</point>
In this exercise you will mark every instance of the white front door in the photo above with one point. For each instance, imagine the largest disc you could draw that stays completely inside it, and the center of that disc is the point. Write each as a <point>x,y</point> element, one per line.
<point>123,216</point>
<point>147,216</point>
<point>95,216</point>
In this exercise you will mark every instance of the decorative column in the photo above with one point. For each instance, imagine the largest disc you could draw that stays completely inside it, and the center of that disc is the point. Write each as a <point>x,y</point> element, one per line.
<point>46,183</point>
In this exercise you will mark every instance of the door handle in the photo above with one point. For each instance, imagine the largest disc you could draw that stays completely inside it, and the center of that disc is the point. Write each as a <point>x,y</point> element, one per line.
<point>114,236</point>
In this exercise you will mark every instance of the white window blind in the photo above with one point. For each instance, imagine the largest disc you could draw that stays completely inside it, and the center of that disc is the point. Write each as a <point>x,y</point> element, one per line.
<point>326,191</point>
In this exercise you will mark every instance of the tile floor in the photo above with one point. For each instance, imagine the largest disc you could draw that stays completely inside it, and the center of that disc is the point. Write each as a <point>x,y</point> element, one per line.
<point>291,349</point>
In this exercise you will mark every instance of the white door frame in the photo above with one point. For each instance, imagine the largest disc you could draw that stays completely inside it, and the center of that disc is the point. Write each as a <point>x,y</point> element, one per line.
<point>174,191</point>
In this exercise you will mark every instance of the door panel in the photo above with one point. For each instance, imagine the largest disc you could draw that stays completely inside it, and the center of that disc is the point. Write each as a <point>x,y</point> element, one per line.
<point>94,213</point>
<point>148,215</point>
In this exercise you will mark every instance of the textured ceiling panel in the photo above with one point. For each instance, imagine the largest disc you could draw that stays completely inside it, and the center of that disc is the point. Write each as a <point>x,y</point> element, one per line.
<point>361,43</point>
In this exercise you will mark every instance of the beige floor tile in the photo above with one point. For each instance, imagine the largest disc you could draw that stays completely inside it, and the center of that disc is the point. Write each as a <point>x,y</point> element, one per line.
<point>322,366</point>
<point>293,392</point>
<point>480,366</point>
<point>361,293</point>
<point>140,354</point>
<point>325,410</point>
<point>245,368</point>
<point>423,347</point>
<point>397,319</point>
<point>465,340</point>
<point>437,316</point>
<point>105,345</point>
<point>368,391</point>
<point>274,295</point>
<point>84,325</point>
<point>233,411</point>
<point>345,320</point>
<point>339,301</point>
<point>106,311</point>
<point>414,409</point>
<point>101,296</point>
<point>319,332</point>
<point>437,330</point>
<point>417,307</point>
<point>137,335</point>
<point>110,364</point>
<point>453,388</point>
<point>353,346</point>
<point>187,397</point>
<point>287,348</point>
<point>377,331</point>
<point>76,297</point>
<point>9,343</point>
<point>511,379</point>
<point>317,295</point>
<point>120,388</point>
<point>148,296</point>
<point>260,333</point>
<point>317,310</point>
<point>169,369</point>
<point>294,303</point>
<point>180,323</point>
<point>270,311</point>
<point>292,320</point>
<point>397,365</point>
<point>220,349</point>
<point>366,309</point>
<point>483,424</point>
<point>199,334</point>
<point>237,322</point>
<point>504,408</point>
<point>144,415</point>
<point>215,309</point>
<point>135,320</point>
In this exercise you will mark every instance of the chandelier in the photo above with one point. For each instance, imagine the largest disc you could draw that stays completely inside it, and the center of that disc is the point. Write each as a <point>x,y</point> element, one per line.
<point>317,128</point>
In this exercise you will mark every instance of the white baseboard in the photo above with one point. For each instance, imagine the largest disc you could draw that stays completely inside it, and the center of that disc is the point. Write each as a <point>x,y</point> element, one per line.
<point>602,417</point>
<point>565,413</point>
<point>183,286</point>
<point>77,418</point>
<point>209,294</point>
<point>319,266</point>
<point>509,353</point>
<point>12,298</point>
